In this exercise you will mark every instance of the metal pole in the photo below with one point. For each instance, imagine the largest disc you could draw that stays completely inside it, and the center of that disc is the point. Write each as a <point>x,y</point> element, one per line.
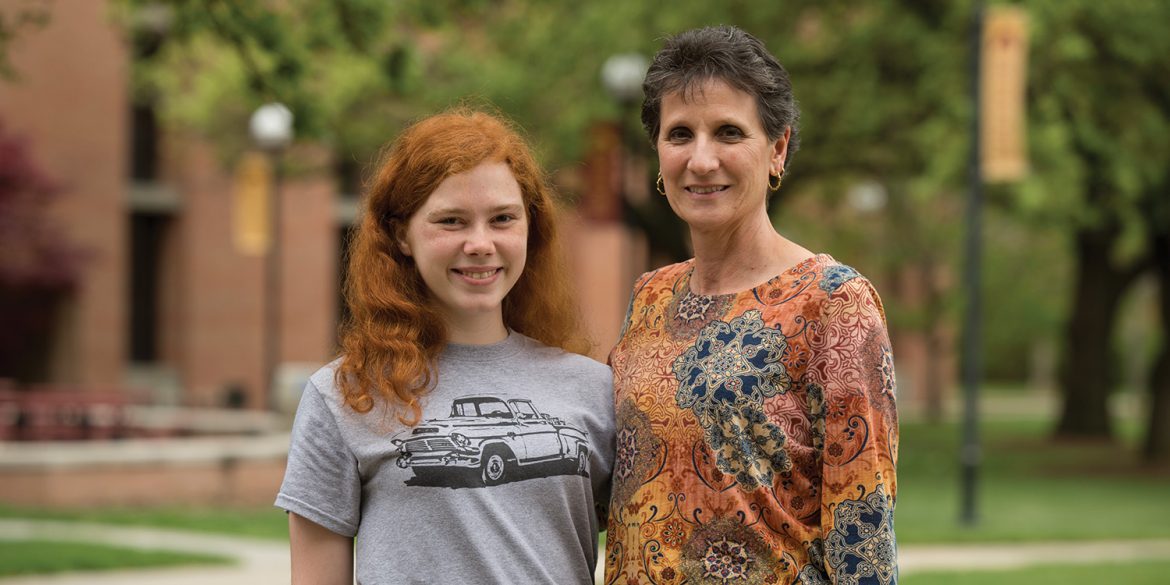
<point>972,335</point>
<point>272,285</point>
<point>629,271</point>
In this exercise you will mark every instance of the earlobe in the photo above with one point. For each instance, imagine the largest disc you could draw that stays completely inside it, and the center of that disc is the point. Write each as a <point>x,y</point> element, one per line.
<point>404,248</point>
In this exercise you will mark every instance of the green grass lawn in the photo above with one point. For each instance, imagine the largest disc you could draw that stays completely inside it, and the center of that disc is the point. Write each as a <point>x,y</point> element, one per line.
<point>1129,573</point>
<point>260,522</point>
<point>26,557</point>
<point>1030,488</point>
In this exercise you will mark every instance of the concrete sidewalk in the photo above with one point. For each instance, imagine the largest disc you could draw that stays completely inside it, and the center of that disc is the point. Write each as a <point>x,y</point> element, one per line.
<point>266,561</point>
<point>974,557</point>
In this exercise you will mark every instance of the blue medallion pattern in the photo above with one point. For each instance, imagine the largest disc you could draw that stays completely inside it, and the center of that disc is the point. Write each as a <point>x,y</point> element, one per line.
<point>814,572</point>
<point>810,575</point>
<point>835,276</point>
<point>861,548</point>
<point>723,379</point>
<point>889,383</point>
<point>748,447</point>
<point>731,363</point>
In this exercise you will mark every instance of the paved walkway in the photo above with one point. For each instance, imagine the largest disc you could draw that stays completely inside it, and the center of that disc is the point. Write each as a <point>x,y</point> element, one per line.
<point>266,561</point>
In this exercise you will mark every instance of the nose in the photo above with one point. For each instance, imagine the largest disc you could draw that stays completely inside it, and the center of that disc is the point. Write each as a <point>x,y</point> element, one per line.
<point>479,242</point>
<point>704,157</point>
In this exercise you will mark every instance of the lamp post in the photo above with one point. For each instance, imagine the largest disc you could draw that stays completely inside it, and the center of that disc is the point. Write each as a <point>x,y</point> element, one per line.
<point>969,454</point>
<point>271,127</point>
<point>622,77</point>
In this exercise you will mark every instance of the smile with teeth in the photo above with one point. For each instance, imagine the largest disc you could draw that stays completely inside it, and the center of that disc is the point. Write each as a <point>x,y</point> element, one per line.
<point>704,190</point>
<point>478,275</point>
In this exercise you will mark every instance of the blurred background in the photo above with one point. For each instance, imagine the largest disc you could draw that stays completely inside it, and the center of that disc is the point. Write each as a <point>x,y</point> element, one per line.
<point>178,180</point>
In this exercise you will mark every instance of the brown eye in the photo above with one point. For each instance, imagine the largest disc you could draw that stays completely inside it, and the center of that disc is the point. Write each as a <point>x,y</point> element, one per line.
<point>731,132</point>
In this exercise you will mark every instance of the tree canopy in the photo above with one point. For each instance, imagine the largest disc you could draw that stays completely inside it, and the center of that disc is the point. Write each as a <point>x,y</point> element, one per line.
<point>884,89</point>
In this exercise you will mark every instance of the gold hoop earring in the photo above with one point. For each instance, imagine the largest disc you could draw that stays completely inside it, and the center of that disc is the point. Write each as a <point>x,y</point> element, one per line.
<point>660,185</point>
<point>779,178</point>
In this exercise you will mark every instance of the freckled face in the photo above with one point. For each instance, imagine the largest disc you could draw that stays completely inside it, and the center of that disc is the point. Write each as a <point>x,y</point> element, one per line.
<point>470,241</point>
<point>715,156</point>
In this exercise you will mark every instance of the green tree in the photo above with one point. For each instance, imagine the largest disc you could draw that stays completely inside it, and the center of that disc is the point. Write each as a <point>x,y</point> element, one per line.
<point>1156,446</point>
<point>884,100</point>
<point>1100,130</point>
<point>14,22</point>
<point>883,87</point>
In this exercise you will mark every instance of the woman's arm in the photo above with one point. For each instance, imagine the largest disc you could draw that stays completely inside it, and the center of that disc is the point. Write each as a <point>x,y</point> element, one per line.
<point>319,555</point>
<point>852,368</point>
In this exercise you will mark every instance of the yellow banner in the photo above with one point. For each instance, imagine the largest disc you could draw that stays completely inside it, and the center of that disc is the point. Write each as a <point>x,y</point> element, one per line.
<point>252,197</point>
<point>1003,87</point>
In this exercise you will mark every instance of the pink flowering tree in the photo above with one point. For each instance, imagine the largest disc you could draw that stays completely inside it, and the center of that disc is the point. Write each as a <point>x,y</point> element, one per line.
<point>38,266</point>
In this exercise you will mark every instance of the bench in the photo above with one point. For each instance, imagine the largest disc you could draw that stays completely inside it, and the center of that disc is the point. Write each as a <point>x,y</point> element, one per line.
<point>61,413</point>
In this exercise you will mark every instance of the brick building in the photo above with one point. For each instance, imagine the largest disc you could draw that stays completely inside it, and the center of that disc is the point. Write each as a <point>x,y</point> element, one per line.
<point>171,307</point>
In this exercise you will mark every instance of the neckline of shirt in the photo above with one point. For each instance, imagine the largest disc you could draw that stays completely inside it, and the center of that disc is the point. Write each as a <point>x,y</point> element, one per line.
<point>504,348</point>
<point>800,267</point>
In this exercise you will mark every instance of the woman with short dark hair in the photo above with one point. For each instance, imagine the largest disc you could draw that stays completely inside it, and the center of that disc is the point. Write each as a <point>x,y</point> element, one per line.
<point>756,427</point>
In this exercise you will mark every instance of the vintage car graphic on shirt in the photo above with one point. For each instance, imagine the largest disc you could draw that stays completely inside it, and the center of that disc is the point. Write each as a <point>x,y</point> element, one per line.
<point>492,439</point>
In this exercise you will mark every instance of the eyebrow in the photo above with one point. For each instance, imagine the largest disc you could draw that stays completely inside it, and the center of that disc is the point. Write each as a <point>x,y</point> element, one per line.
<point>458,210</point>
<point>725,120</point>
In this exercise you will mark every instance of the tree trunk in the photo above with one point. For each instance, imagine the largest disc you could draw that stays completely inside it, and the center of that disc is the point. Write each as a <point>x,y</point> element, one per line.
<point>1086,376</point>
<point>1157,441</point>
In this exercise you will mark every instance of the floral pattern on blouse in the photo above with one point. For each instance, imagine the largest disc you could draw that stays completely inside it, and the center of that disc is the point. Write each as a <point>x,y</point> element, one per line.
<point>757,432</point>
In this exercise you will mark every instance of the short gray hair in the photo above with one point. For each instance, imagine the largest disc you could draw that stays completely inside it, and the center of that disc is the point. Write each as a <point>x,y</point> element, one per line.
<point>727,53</point>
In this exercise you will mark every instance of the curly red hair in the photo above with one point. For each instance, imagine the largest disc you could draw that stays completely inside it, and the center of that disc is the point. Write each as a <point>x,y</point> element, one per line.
<point>395,332</point>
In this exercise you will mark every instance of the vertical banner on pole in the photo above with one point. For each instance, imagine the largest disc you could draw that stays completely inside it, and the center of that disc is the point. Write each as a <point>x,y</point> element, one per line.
<point>252,191</point>
<point>1004,153</point>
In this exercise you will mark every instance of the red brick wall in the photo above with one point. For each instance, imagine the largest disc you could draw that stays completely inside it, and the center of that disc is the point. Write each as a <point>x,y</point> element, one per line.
<point>309,244</point>
<point>220,311</point>
<point>221,299</point>
<point>71,103</point>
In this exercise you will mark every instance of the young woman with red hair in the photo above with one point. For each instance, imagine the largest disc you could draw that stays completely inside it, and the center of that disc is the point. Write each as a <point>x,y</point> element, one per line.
<point>460,438</point>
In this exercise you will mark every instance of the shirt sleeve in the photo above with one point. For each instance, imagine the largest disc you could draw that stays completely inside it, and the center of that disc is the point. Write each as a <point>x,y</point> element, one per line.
<point>321,479</point>
<point>602,484</point>
<point>853,370</point>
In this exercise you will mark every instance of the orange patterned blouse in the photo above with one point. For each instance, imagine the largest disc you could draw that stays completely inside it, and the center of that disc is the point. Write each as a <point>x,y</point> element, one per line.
<point>756,433</point>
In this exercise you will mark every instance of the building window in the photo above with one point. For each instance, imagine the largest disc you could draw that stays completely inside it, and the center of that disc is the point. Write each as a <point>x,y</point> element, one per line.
<point>147,232</point>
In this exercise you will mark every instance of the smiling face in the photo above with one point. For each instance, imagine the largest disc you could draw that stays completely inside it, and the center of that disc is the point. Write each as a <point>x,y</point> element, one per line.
<point>469,241</point>
<point>715,156</point>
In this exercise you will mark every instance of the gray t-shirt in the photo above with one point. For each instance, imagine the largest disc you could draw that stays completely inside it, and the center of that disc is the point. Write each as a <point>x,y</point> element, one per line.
<point>500,482</point>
